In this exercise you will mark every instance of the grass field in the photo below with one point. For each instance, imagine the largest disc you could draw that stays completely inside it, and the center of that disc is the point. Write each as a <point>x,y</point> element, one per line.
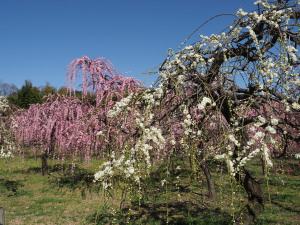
<point>63,198</point>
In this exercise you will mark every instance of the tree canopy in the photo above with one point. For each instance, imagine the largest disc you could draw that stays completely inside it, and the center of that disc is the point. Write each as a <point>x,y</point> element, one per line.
<point>27,95</point>
<point>231,96</point>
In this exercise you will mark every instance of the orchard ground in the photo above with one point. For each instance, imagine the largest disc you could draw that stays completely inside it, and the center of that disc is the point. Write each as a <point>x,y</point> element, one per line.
<point>65,198</point>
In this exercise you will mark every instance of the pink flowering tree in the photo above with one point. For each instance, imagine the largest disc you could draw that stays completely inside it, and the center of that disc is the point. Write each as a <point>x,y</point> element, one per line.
<point>102,80</point>
<point>66,126</point>
<point>52,127</point>
<point>231,96</point>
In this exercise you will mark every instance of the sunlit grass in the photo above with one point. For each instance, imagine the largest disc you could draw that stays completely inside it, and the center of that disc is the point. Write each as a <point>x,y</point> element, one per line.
<point>66,197</point>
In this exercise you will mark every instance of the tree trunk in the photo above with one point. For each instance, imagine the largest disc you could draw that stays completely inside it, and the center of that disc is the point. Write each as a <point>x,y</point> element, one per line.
<point>48,151</point>
<point>263,165</point>
<point>44,163</point>
<point>210,183</point>
<point>255,206</point>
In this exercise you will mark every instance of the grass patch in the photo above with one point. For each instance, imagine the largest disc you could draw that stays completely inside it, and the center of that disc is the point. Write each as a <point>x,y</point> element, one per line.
<point>68,195</point>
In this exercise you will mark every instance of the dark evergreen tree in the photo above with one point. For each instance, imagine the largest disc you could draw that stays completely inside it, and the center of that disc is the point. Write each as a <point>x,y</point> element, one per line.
<point>28,95</point>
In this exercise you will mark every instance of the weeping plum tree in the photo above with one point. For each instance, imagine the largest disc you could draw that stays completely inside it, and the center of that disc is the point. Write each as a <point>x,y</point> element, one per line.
<point>67,126</point>
<point>232,96</point>
<point>51,127</point>
<point>102,80</point>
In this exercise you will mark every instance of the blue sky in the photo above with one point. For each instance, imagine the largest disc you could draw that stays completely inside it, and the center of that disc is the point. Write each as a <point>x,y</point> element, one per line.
<point>39,38</point>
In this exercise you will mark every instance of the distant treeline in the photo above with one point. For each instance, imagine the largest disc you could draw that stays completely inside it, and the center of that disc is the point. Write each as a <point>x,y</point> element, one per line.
<point>29,94</point>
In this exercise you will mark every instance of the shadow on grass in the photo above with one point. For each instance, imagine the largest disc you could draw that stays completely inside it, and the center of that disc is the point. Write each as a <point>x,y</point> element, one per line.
<point>73,178</point>
<point>10,186</point>
<point>51,169</point>
<point>285,207</point>
<point>162,213</point>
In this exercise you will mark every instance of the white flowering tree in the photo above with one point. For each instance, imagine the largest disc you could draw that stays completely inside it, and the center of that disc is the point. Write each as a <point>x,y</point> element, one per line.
<point>232,96</point>
<point>6,144</point>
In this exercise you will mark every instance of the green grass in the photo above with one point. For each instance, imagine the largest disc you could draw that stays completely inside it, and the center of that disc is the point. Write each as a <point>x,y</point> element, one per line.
<point>70,197</point>
<point>30,198</point>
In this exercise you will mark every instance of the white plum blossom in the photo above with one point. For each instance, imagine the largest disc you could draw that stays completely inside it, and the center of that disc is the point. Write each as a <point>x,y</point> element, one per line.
<point>266,154</point>
<point>108,170</point>
<point>258,135</point>
<point>3,104</point>
<point>270,130</point>
<point>231,169</point>
<point>141,147</point>
<point>199,133</point>
<point>129,171</point>
<point>210,60</point>
<point>249,157</point>
<point>218,157</point>
<point>7,145</point>
<point>99,133</point>
<point>296,106</point>
<point>291,50</point>
<point>261,119</point>
<point>274,121</point>
<point>233,140</point>
<point>119,106</point>
<point>187,122</point>
<point>5,153</point>
<point>204,102</point>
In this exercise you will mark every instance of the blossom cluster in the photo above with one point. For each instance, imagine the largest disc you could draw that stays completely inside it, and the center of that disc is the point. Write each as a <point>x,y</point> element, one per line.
<point>119,106</point>
<point>6,153</point>
<point>3,104</point>
<point>137,155</point>
<point>6,143</point>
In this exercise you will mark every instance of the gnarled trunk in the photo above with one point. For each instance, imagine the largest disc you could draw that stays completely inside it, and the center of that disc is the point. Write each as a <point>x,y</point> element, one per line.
<point>249,213</point>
